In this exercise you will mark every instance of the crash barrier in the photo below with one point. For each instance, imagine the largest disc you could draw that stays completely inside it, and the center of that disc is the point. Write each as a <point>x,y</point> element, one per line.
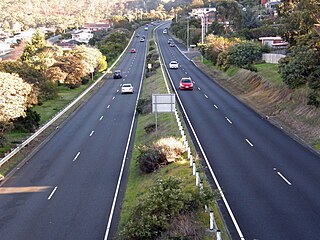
<point>198,182</point>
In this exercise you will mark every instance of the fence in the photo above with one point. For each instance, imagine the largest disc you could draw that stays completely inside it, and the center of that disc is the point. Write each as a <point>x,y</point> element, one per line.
<point>272,57</point>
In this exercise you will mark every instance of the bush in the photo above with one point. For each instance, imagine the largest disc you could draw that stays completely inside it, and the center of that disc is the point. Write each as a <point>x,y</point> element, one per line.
<point>144,106</point>
<point>29,123</point>
<point>171,147</point>
<point>150,128</point>
<point>150,159</point>
<point>244,54</point>
<point>153,213</point>
<point>165,204</point>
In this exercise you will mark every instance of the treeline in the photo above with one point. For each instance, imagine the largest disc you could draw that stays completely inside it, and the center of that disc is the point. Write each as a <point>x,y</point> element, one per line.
<point>236,44</point>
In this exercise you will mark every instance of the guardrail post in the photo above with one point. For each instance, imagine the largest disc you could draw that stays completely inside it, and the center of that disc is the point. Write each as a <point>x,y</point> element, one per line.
<point>191,160</point>
<point>201,186</point>
<point>194,168</point>
<point>211,220</point>
<point>218,234</point>
<point>197,178</point>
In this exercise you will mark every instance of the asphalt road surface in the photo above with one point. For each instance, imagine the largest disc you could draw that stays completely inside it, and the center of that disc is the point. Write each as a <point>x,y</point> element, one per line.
<point>270,182</point>
<point>67,189</point>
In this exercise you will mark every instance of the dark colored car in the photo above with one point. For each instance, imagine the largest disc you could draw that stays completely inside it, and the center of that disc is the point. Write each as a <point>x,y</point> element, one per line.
<point>186,84</point>
<point>117,74</point>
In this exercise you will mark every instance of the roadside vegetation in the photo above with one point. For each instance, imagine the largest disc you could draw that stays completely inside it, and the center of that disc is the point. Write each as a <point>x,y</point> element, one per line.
<point>161,199</point>
<point>288,92</point>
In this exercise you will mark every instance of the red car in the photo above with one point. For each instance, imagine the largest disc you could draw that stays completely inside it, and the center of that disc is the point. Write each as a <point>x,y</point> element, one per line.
<point>186,84</point>
<point>133,50</point>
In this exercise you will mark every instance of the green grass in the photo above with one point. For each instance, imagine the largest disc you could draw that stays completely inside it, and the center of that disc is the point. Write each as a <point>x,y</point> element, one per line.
<point>51,107</point>
<point>232,71</point>
<point>269,71</point>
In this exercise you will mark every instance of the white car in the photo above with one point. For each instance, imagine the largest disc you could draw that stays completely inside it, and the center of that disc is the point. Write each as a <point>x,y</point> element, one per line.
<point>127,88</point>
<point>173,65</point>
<point>164,31</point>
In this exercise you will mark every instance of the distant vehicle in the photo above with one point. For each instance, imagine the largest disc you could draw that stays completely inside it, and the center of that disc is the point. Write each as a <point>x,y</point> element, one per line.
<point>142,39</point>
<point>170,40</point>
<point>165,31</point>
<point>127,88</point>
<point>133,50</point>
<point>146,28</point>
<point>143,36</point>
<point>137,35</point>
<point>117,74</point>
<point>172,44</point>
<point>173,65</point>
<point>186,84</point>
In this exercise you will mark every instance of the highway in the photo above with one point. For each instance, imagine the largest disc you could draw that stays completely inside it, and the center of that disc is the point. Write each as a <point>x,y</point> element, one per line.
<point>270,182</point>
<point>70,188</point>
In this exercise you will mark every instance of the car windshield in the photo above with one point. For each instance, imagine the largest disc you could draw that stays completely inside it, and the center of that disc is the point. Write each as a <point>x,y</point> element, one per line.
<point>173,62</point>
<point>126,85</point>
<point>186,80</point>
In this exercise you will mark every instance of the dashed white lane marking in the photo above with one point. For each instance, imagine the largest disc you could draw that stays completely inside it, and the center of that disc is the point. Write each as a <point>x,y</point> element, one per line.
<point>205,96</point>
<point>284,178</point>
<point>249,142</point>
<point>228,120</point>
<point>186,73</point>
<point>53,191</point>
<point>199,88</point>
<point>215,106</point>
<point>113,98</point>
<point>108,106</point>
<point>101,118</point>
<point>75,158</point>
<point>92,132</point>
<point>117,90</point>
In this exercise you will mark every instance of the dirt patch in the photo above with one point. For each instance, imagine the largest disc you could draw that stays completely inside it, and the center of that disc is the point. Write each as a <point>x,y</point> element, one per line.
<point>282,106</point>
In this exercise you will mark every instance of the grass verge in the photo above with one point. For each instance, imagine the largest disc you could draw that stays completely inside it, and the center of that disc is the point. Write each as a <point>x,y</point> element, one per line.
<point>139,183</point>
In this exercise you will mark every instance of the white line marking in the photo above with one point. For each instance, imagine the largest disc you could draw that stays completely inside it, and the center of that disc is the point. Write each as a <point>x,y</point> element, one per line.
<point>108,106</point>
<point>53,191</point>
<point>199,88</point>
<point>117,90</point>
<point>75,158</point>
<point>101,118</point>
<point>215,106</point>
<point>113,98</point>
<point>283,177</point>
<point>91,133</point>
<point>249,142</point>
<point>229,120</point>
<point>186,73</point>
<point>206,96</point>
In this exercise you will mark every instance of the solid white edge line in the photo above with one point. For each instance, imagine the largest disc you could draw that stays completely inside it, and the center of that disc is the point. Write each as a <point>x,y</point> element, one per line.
<point>205,156</point>
<point>125,153</point>
<point>284,178</point>
<point>249,142</point>
<point>53,191</point>
<point>75,158</point>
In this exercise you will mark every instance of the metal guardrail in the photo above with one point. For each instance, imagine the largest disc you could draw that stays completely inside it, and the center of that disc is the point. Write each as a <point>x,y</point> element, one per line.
<point>39,131</point>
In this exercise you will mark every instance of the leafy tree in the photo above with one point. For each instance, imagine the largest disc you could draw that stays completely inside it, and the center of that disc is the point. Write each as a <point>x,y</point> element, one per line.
<point>37,42</point>
<point>229,11</point>
<point>242,55</point>
<point>15,97</point>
